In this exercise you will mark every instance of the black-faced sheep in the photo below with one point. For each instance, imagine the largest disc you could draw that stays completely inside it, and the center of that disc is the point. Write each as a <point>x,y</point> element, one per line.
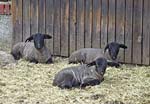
<point>82,75</point>
<point>35,52</point>
<point>87,55</point>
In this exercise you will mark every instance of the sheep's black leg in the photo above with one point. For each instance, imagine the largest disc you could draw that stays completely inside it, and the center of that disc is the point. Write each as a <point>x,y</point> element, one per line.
<point>49,61</point>
<point>34,61</point>
<point>67,84</point>
<point>90,81</point>
<point>102,79</point>
<point>115,64</point>
<point>81,62</point>
<point>66,81</point>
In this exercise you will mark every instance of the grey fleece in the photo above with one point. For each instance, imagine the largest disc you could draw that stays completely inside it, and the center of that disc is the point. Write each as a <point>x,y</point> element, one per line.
<point>79,73</point>
<point>29,52</point>
<point>87,55</point>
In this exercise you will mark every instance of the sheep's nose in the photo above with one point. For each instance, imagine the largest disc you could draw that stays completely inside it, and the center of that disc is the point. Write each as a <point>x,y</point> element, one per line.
<point>102,73</point>
<point>113,57</point>
<point>38,45</point>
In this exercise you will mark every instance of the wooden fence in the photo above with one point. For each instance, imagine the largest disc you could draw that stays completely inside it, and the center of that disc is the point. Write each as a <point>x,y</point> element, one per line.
<point>76,24</point>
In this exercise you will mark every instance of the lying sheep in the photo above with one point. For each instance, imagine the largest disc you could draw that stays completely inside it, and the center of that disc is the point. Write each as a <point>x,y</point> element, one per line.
<point>6,59</point>
<point>87,55</point>
<point>35,52</point>
<point>82,75</point>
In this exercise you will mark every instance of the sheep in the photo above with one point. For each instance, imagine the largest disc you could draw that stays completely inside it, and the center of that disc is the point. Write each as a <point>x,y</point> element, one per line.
<point>35,52</point>
<point>6,59</point>
<point>87,55</point>
<point>82,75</point>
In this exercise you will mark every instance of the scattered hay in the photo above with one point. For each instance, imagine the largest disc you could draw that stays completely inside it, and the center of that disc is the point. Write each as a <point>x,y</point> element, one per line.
<point>28,83</point>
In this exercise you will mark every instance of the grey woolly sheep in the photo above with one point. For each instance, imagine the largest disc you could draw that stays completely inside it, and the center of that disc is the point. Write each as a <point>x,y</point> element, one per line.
<point>82,75</point>
<point>35,52</point>
<point>87,55</point>
<point>6,59</point>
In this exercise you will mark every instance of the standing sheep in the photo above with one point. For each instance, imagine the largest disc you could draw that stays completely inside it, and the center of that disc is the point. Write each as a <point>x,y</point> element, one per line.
<point>82,75</point>
<point>35,52</point>
<point>87,55</point>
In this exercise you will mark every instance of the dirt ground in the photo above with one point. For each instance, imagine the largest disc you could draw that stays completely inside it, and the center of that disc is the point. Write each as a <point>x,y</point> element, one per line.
<point>28,83</point>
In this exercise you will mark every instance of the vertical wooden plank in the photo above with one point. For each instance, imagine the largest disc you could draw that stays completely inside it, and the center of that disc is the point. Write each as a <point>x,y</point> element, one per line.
<point>128,31</point>
<point>137,31</point>
<point>17,21</point>
<point>88,23</point>
<point>26,19</point>
<point>112,21</point>
<point>96,28</point>
<point>80,24</point>
<point>34,17</point>
<point>17,29</point>
<point>57,27</point>
<point>41,16</point>
<point>104,23</point>
<point>13,21</point>
<point>146,33</point>
<point>64,27</point>
<point>72,26</point>
<point>120,23</point>
<point>49,23</point>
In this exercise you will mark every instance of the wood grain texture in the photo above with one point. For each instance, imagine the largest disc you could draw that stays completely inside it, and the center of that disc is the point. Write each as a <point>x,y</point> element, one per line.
<point>128,31</point>
<point>14,16</point>
<point>120,26</point>
<point>72,26</point>
<point>41,19</point>
<point>88,23</point>
<point>34,16</point>
<point>26,19</point>
<point>57,27</point>
<point>96,25</point>
<point>104,23</point>
<point>17,21</point>
<point>80,24</point>
<point>137,31</point>
<point>112,21</point>
<point>64,27</point>
<point>146,33</point>
<point>50,24</point>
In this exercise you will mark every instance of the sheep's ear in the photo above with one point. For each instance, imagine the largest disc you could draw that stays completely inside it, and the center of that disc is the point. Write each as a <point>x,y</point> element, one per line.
<point>123,46</point>
<point>91,64</point>
<point>46,36</point>
<point>29,39</point>
<point>107,46</point>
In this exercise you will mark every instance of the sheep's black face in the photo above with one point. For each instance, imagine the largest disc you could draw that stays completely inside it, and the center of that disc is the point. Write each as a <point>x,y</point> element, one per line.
<point>38,39</point>
<point>113,49</point>
<point>101,65</point>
